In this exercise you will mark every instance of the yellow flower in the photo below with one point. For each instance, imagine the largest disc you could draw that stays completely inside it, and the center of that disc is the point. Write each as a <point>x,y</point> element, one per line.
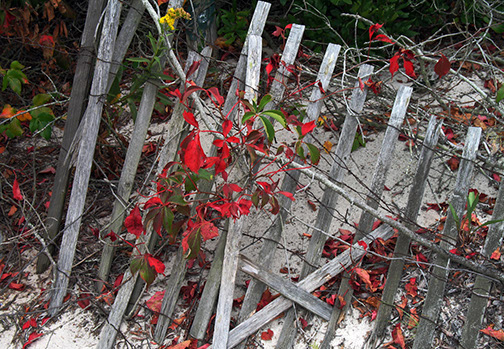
<point>173,14</point>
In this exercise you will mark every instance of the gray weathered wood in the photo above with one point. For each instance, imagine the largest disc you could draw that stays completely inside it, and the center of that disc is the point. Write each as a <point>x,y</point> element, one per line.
<point>373,200</point>
<point>410,216</point>
<point>286,288</point>
<point>253,66</point>
<point>310,283</point>
<point>128,30</point>
<point>435,294</point>
<point>289,183</point>
<point>329,198</point>
<point>479,298</point>
<point>228,277</point>
<point>76,107</point>
<point>85,157</point>
<point>256,28</point>
<point>289,54</point>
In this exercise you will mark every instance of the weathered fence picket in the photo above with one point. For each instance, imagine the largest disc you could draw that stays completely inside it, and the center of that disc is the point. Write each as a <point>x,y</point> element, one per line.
<point>91,121</point>
<point>481,288</point>
<point>329,199</point>
<point>410,216</point>
<point>435,294</point>
<point>256,289</point>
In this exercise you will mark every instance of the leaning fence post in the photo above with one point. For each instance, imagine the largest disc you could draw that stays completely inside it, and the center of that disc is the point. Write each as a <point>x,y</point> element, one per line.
<point>432,304</point>
<point>481,288</point>
<point>410,215</point>
<point>91,122</point>
<point>329,199</point>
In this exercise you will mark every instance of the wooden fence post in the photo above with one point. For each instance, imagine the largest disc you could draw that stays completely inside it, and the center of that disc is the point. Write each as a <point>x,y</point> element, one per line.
<point>410,216</point>
<point>481,288</point>
<point>329,199</point>
<point>76,108</point>
<point>435,294</point>
<point>373,200</point>
<point>85,158</point>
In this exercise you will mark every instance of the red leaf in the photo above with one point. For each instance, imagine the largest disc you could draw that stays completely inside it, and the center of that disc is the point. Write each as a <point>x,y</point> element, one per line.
<point>16,286</point>
<point>133,222</point>
<point>287,194</point>
<point>158,266</point>
<point>373,29</point>
<point>498,334</point>
<point>364,276</point>
<point>227,125</point>
<point>278,31</point>
<point>442,67</point>
<point>408,67</point>
<point>46,40</point>
<point>308,127</point>
<point>453,163</point>
<point>267,335</point>
<point>384,38</point>
<point>112,236</point>
<point>208,230</point>
<point>398,337</point>
<point>16,192</point>
<point>303,322</point>
<point>411,287</point>
<point>496,254</point>
<point>215,92</point>
<point>32,338</point>
<point>194,157</point>
<point>288,26</point>
<point>83,300</point>
<point>190,119</point>
<point>496,177</point>
<point>394,64</point>
<point>30,323</point>
<point>361,84</point>
<point>362,244</point>
<point>193,68</point>
<point>154,302</point>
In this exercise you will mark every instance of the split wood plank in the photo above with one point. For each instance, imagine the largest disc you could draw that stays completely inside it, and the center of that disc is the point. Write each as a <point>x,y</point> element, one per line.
<point>204,311</point>
<point>437,283</point>
<point>310,283</point>
<point>256,28</point>
<point>410,216</point>
<point>329,198</point>
<point>76,107</point>
<point>373,200</point>
<point>287,289</point>
<point>232,249</point>
<point>91,121</point>
<point>482,285</point>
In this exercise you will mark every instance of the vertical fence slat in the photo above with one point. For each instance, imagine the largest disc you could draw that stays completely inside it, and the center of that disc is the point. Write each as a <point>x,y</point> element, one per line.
<point>373,200</point>
<point>324,216</point>
<point>256,28</point>
<point>85,157</point>
<point>435,294</point>
<point>413,207</point>
<point>481,289</point>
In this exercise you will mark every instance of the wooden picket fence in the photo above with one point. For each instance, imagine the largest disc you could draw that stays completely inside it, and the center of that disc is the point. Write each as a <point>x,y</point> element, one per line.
<point>219,288</point>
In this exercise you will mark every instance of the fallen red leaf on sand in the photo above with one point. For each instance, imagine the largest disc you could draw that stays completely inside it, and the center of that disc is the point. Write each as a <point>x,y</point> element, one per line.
<point>267,335</point>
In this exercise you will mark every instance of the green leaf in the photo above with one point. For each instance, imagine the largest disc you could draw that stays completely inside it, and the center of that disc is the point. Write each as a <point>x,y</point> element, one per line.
<point>358,141</point>
<point>500,94</point>
<point>247,116</point>
<point>136,264</point>
<point>472,201</point>
<point>14,129</point>
<point>314,153</point>
<point>139,60</point>
<point>268,127</point>
<point>167,219</point>
<point>204,174</point>
<point>15,85</point>
<point>16,65</point>
<point>277,115</point>
<point>265,100</point>
<point>455,216</point>
<point>177,199</point>
<point>40,99</point>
